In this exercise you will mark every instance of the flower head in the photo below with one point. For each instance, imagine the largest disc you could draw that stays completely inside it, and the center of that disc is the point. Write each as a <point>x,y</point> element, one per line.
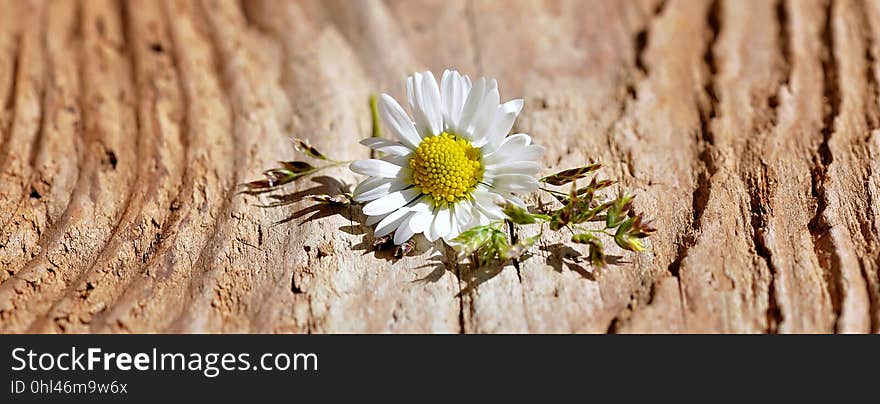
<point>451,165</point>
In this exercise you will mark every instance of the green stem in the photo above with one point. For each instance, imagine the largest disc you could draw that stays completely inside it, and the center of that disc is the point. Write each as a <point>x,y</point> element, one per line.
<point>374,112</point>
<point>335,163</point>
<point>603,231</point>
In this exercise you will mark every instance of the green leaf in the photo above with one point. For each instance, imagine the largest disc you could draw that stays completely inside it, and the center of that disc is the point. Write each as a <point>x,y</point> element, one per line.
<point>597,254</point>
<point>631,232</point>
<point>625,240</point>
<point>560,219</point>
<point>585,213</point>
<point>517,250</point>
<point>584,238</point>
<point>625,226</point>
<point>641,228</point>
<point>484,243</point>
<point>573,174</point>
<point>617,211</point>
<point>519,215</point>
<point>498,242</point>
<point>473,239</point>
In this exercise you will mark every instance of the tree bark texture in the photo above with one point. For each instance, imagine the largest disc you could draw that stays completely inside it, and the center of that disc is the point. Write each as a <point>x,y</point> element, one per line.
<point>747,129</point>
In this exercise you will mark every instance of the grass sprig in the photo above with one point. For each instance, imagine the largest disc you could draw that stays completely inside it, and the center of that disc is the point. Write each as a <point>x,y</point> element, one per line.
<point>608,218</point>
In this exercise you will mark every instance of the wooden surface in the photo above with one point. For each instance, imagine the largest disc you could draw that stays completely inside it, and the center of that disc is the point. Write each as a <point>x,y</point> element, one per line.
<point>747,129</point>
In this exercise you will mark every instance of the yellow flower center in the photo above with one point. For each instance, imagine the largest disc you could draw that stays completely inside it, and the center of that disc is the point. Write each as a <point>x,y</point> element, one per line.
<point>446,167</point>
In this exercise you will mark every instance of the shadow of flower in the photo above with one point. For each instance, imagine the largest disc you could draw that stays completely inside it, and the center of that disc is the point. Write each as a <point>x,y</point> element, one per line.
<point>440,269</point>
<point>562,255</point>
<point>474,276</point>
<point>471,276</point>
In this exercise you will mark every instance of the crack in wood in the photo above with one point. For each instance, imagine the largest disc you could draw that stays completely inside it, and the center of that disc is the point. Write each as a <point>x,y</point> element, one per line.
<point>758,201</point>
<point>819,228</point>
<point>707,115</point>
<point>9,102</point>
<point>872,118</point>
<point>700,196</point>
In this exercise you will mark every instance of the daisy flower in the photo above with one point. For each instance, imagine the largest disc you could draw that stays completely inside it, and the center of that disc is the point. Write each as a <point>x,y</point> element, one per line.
<point>451,165</point>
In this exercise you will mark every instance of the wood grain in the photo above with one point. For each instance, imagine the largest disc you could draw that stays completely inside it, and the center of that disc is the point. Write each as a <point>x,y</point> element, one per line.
<point>747,129</point>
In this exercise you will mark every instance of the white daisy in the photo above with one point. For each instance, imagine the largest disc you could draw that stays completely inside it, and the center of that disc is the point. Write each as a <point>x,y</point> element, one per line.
<point>451,166</point>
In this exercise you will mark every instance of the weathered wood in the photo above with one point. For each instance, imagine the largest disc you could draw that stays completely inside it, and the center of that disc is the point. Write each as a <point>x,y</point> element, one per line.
<point>747,129</point>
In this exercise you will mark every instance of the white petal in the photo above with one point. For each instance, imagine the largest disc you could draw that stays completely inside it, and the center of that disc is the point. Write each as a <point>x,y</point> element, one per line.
<point>463,212</point>
<point>490,214</point>
<point>461,217</point>
<point>372,188</point>
<point>392,222</point>
<point>515,183</point>
<point>431,232</point>
<point>402,161</point>
<point>487,203</point>
<point>485,196</point>
<point>422,218</point>
<point>513,167</point>
<point>424,101</point>
<point>394,119</point>
<point>453,93</point>
<point>529,153</point>
<point>516,201</point>
<point>515,141</point>
<point>386,146</point>
<point>483,118</point>
<point>514,148</point>
<point>369,183</point>
<point>448,97</point>
<point>475,96</point>
<point>431,103</point>
<point>390,202</point>
<point>505,116</point>
<point>376,168</point>
<point>478,218</point>
<point>422,204</point>
<point>454,230</point>
<point>420,221</point>
<point>403,233</point>
<point>371,220</point>
<point>442,223</point>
